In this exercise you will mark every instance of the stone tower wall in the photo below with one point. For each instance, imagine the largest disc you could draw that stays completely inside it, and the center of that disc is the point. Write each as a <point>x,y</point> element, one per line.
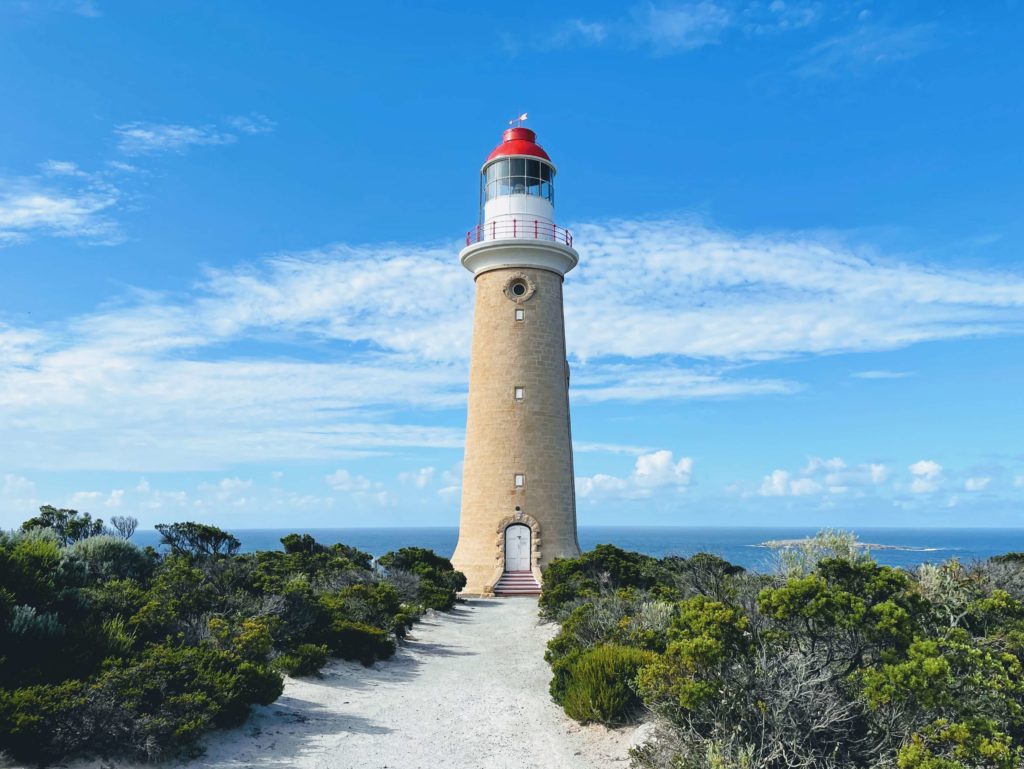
<point>505,437</point>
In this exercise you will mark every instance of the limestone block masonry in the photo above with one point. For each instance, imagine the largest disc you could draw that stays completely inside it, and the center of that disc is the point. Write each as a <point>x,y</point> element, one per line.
<point>506,436</point>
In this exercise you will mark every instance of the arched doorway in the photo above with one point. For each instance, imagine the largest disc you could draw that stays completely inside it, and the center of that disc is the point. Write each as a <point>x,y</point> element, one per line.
<point>517,547</point>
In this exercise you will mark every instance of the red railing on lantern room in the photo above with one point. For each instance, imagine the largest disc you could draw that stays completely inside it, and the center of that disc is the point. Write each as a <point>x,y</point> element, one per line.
<point>519,229</point>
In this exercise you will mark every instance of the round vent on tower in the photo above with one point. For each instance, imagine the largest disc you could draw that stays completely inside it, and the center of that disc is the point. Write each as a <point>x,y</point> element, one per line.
<point>519,288</point>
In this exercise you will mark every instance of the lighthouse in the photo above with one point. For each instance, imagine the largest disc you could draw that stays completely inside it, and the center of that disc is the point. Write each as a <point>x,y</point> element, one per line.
<point>518,498</point>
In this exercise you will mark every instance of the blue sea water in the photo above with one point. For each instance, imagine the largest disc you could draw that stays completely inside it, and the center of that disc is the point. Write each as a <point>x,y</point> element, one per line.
<point>741,546</point>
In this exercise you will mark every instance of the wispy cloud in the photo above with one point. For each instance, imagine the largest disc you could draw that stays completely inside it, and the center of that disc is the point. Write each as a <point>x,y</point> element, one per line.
<point>159,382</point>
<point>659,28</point>
<point>703,293</point>
<point>146,138</point>
<point>779,16</point>
<point>149,138</point>
<point>977,483</point>
<point>253,123</point>
<point>867,46</point>
<point>29,206</point>
<point>675,28</point>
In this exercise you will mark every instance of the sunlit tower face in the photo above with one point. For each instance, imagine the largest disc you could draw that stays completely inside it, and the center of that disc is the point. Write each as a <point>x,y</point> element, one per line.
<point>518,501</point>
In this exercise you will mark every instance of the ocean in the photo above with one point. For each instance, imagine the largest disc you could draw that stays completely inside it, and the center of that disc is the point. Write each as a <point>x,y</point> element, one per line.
<point>738,545</point>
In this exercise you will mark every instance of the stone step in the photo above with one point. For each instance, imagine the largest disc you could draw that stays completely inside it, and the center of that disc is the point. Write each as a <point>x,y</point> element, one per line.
<point>517,583</point>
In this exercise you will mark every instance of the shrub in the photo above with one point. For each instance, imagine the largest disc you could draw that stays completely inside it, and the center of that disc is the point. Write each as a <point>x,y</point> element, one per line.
<point>42,723</point>
<point>104,557</point>
<point>304,660</point>
<point>438,581</point>
<point>356,641</point>
<point>165,700</point>
<point>601,685</point>
<point>605,568</point>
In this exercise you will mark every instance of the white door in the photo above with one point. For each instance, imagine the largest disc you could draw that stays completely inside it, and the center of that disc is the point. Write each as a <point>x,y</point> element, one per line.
<point>517,548</point>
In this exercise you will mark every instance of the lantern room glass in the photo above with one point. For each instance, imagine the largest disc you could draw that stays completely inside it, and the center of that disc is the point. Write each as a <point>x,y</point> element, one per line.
<point>518,176</point>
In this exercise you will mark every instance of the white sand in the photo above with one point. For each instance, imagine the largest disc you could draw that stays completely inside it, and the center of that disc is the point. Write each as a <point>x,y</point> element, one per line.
<point>469,690</point>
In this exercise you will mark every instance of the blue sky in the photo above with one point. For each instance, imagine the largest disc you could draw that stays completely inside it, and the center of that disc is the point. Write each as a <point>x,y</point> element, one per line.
<point>229,237</point>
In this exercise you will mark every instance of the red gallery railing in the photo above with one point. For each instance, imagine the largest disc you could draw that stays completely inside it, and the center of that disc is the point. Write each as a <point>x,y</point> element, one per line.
<point>519,229</point>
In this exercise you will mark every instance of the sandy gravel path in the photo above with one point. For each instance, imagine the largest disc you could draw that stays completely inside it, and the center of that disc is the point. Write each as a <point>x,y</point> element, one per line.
<point>469,691</point>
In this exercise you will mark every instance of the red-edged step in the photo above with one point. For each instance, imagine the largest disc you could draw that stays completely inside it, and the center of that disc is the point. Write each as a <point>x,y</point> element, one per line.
<point>517,583</point>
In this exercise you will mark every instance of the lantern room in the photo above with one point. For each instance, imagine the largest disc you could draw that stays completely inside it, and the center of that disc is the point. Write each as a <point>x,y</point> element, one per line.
<point>517,181</point>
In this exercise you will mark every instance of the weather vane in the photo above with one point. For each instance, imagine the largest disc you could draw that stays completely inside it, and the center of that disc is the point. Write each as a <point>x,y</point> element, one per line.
<point>519,120</point>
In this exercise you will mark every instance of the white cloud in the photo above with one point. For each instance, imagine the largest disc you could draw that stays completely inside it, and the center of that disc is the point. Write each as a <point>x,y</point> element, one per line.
<point>832,476</point>
<point>776,484</point>
<point>343,480</point>
<point>657,470</point>
<point>927,476</point>
<point>712,294</point>
<point>141,138</point>
<point>420,478</point>
<point>977,483</point>
<point>61,168</point>
<point>153,383</point>
<point>780,484</point>
<point>28,208</point>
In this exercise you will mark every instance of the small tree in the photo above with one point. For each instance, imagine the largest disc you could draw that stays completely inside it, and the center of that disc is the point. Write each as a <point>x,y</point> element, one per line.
<point>124,525</point>
<point>197,540</point>
<point>69,525</point>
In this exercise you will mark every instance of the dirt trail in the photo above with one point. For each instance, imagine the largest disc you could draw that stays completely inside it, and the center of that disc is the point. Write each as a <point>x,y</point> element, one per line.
<point>469,691</point>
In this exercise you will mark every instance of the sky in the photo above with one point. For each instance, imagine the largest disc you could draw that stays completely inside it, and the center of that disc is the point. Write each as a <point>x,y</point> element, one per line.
<point>229,238</point>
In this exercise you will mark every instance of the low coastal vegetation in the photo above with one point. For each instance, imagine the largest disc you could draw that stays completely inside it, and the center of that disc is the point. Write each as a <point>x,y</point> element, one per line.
<point>110,649</point>
<point>831,662</point>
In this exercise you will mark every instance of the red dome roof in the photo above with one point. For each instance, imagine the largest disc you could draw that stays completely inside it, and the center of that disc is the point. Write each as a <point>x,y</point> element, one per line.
<point>518,141</point>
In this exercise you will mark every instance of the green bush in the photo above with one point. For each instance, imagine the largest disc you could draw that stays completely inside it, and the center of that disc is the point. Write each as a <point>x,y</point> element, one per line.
<point>109,649</point>
<point>601,685</point>
<point>439,582</point>
<point>164,701</point>
<point>304,660</point>
<point>101,558</point>
<point>43,723</point>
<point>605,568</point>
<point>359,642</point>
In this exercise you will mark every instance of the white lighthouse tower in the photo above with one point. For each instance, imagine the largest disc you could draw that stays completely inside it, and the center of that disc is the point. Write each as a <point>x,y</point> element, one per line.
<point>518,499</point>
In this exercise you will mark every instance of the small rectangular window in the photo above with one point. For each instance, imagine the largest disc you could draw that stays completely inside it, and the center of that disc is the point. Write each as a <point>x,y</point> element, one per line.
<point>520,481</point>
<point>519,392</point>
<point>520,313</point>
